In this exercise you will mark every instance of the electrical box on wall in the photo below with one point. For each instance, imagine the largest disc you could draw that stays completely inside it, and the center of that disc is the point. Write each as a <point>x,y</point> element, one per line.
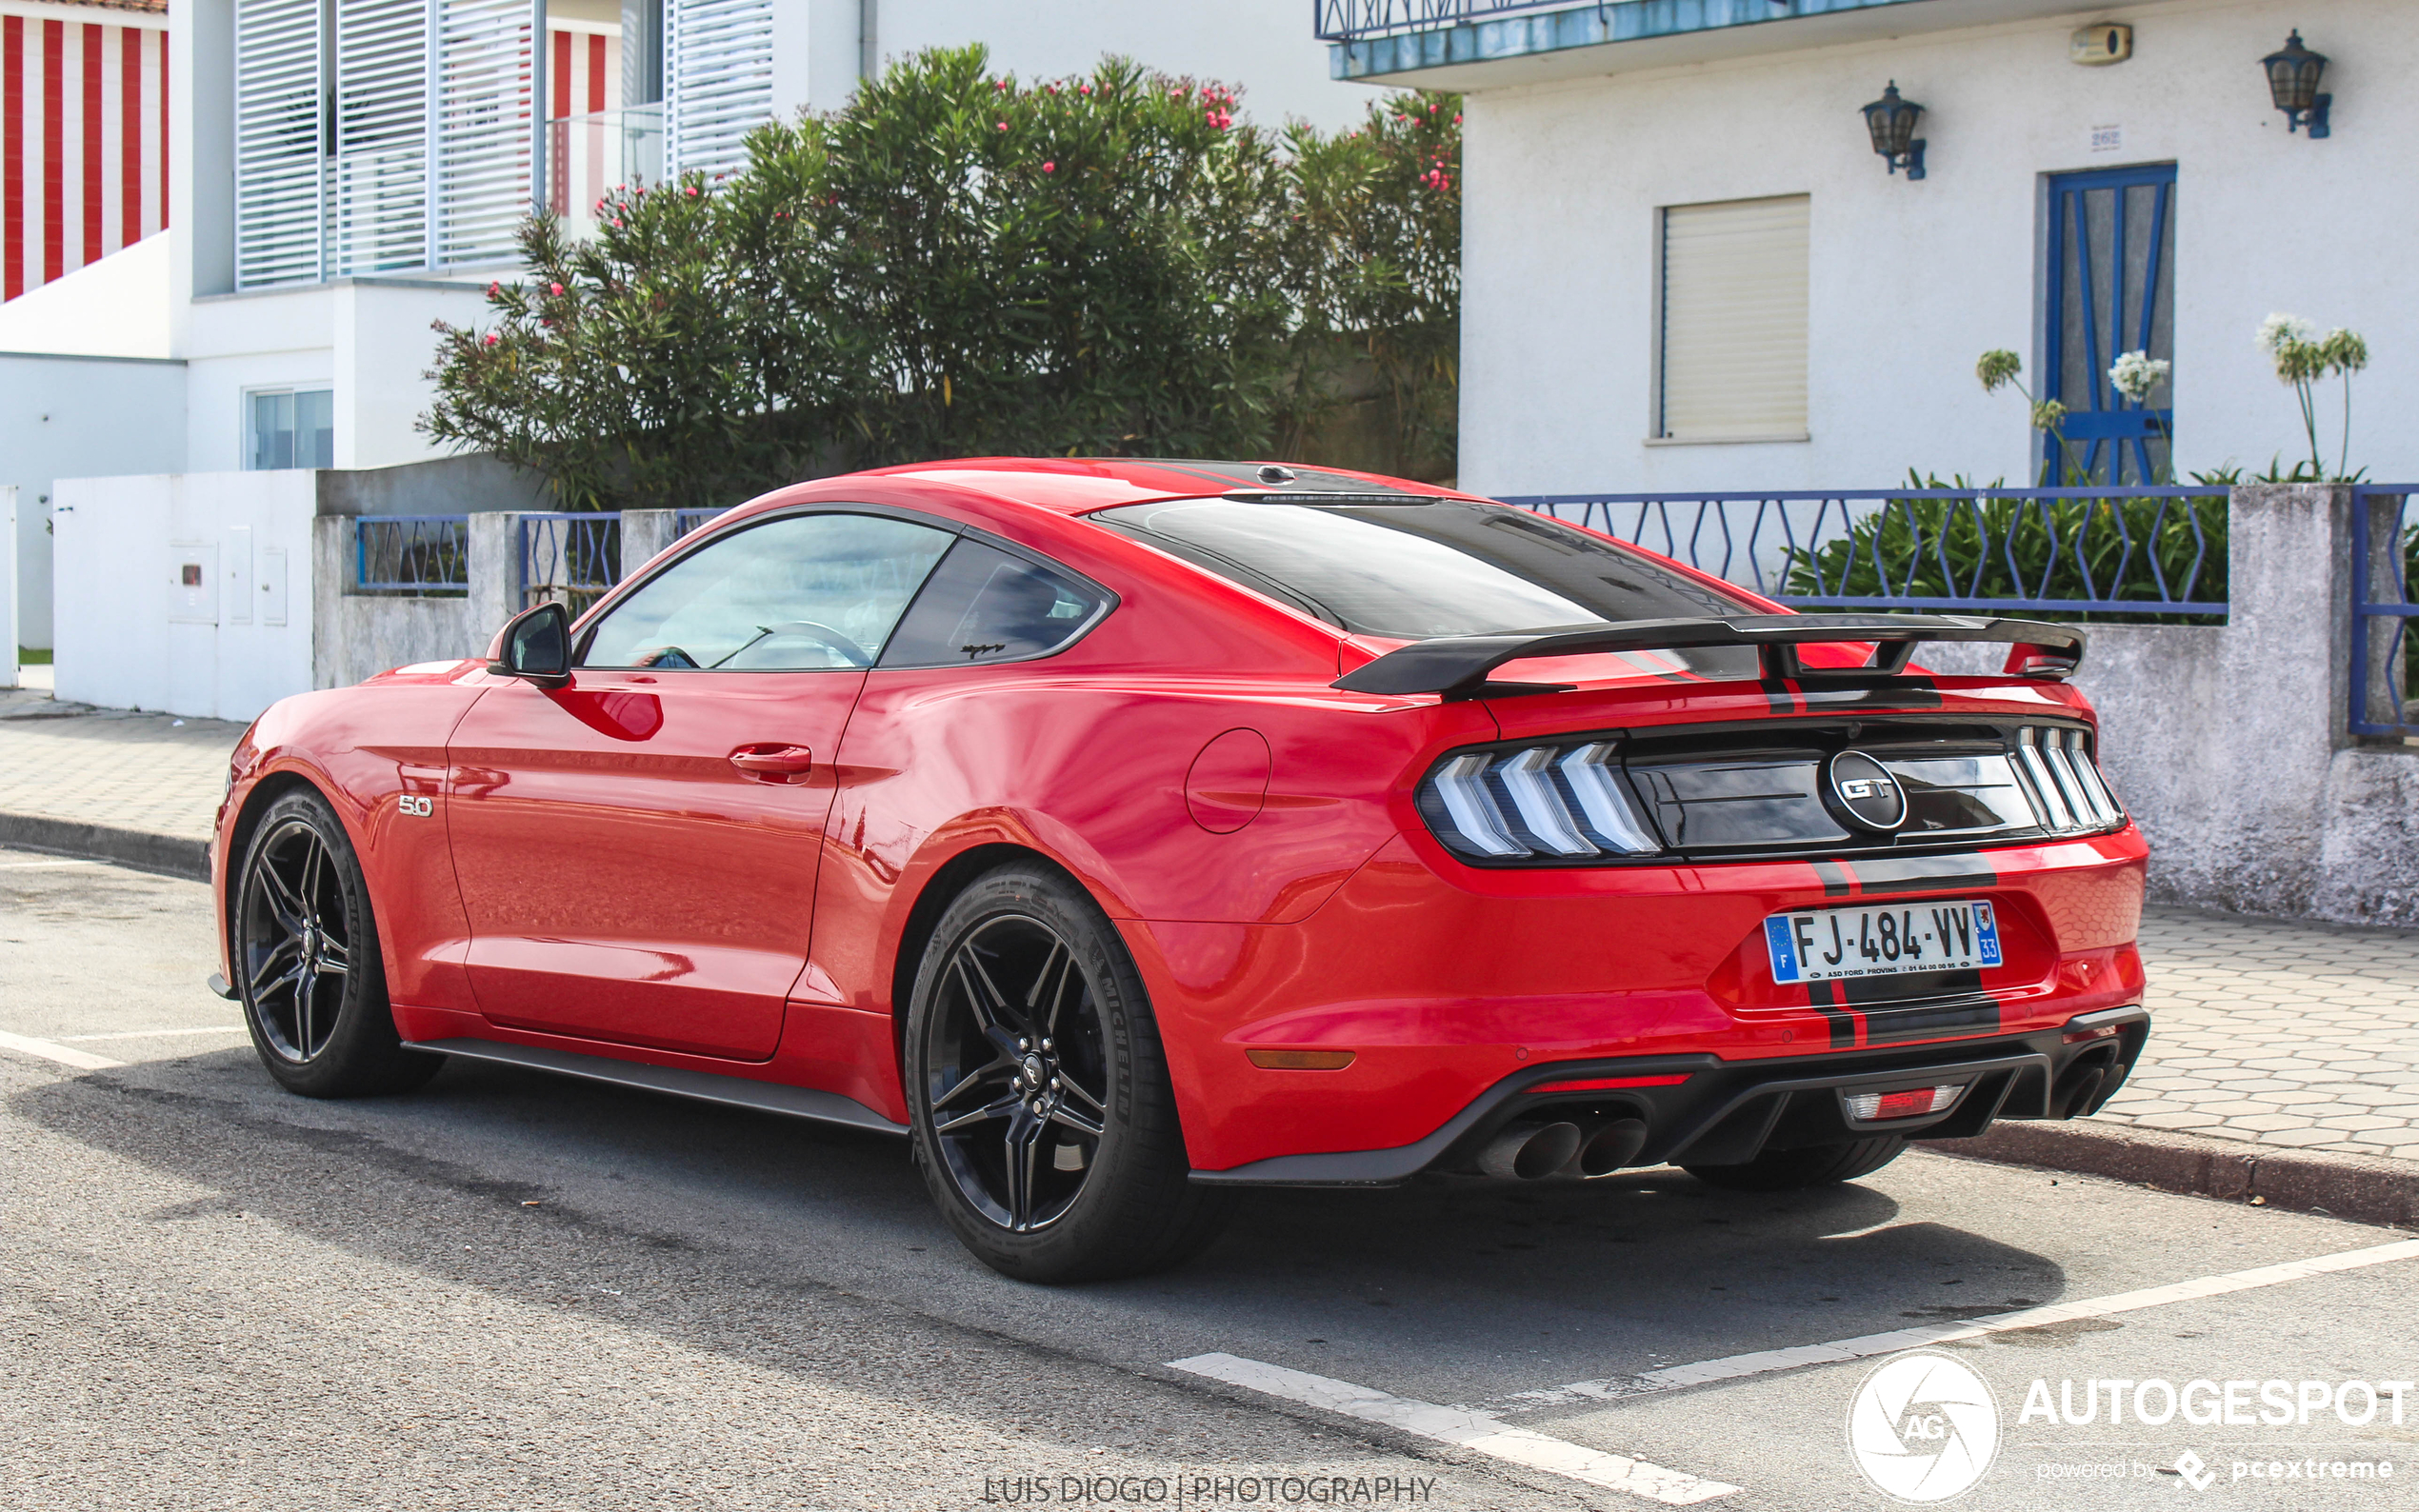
<point>2109,42</point>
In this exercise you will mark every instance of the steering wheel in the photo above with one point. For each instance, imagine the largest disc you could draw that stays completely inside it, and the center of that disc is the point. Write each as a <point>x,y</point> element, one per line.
<point>847,649</point>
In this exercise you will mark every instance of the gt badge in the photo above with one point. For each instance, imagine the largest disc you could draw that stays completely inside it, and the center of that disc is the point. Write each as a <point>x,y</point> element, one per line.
<point>416,806</point>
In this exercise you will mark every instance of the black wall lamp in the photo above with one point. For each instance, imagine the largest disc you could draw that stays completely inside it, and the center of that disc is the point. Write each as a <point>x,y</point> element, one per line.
<point>2292,83</point>
<point>1892,121</point>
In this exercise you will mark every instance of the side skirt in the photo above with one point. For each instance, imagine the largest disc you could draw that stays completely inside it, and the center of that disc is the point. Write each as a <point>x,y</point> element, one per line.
<point>705,1086</point>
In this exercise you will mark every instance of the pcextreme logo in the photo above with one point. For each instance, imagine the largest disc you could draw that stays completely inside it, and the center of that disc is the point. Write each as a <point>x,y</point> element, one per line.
<point>1923,1429</point>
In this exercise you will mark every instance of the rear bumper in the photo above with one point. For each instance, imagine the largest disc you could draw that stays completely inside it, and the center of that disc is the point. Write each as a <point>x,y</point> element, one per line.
<point>1726,1113</point>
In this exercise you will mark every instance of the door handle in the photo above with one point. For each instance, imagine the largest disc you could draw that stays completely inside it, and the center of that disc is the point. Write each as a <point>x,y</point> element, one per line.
<point>773,763</point>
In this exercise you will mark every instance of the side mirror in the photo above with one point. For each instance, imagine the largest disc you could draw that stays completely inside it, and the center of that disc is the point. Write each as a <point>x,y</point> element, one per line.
<point>535,646</point>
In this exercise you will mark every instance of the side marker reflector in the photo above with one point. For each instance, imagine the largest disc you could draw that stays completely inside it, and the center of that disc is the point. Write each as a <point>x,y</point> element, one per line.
<point>1300,1060</point>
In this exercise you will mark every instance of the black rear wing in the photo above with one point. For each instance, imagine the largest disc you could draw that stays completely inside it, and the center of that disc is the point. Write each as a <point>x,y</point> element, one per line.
<point>1459,665</point>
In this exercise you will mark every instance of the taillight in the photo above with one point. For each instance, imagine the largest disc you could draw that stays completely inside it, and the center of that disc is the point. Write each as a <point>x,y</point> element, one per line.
<point>2068,792</point>
<point>1551,799</point>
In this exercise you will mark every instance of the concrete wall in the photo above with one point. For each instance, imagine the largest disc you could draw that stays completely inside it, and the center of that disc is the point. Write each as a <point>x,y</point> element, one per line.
<point>1911,282</point>
<point>68,417</point>
<point>9,640</point>
<point>137,634</point>
<point>365,633</point>
<point>2227,745</point>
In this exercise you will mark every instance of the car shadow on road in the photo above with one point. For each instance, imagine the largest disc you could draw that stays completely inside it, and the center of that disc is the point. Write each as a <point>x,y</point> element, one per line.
<point>1455,1290</point>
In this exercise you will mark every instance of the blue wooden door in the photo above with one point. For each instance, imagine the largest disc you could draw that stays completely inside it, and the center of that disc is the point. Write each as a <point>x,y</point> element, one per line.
<point>2111,290</point>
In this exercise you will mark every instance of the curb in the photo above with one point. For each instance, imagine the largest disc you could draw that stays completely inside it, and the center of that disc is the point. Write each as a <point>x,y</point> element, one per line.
<point>2364,1189</point>
<point>168,854</point>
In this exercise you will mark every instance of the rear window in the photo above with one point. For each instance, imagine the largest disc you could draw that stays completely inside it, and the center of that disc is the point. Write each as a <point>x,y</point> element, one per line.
<point>1416,571</point>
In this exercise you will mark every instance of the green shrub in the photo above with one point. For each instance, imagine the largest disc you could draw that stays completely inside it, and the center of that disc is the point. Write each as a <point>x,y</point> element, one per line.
<point>962,264</point>
<point>2024,548</point>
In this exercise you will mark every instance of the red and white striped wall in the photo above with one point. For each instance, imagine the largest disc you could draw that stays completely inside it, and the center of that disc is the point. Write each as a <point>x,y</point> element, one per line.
<point>83,136</point>
<point>583,78</point>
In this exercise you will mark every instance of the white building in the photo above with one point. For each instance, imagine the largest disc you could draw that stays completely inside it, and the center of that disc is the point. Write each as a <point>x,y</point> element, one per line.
<point>1685,267</point>
<point>346,171</point>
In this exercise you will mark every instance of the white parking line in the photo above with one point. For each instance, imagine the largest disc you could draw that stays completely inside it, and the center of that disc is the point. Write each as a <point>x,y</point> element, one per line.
<point>81,1060</point>
<point>1459,1426</point>
<point>42,865</point>
<point>153,1034</point>
<point>1737,1366</point>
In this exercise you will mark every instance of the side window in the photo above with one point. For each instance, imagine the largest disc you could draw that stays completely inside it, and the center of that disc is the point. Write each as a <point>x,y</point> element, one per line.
<point>986,606</point>
<point>801,592</point>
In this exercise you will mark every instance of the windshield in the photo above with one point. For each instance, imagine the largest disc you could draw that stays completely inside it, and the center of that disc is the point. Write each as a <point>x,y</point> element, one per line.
<point>1416,571</point>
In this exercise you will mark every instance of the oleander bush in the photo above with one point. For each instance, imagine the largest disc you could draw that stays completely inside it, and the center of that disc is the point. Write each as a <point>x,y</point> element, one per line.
<point>961,263</point>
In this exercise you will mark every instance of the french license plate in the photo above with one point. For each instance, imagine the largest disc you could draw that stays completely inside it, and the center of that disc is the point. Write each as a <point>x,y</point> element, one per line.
<point>1830,944</point>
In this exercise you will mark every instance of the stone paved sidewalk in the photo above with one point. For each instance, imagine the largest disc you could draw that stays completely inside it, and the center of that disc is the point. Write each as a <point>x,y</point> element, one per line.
<point>2288,1035</point>
<point>2299,1034</point>
<point>149,773</point>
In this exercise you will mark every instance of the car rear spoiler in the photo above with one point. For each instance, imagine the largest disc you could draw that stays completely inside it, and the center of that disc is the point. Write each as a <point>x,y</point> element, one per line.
<point>1458,665</point>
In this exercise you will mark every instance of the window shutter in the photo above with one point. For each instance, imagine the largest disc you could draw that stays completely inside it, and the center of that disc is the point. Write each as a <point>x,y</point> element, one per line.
<point>280,156</point>
<point>1734,337</point>
<point>382,136</point>
<point>718,81</point>
<point>485,105</point>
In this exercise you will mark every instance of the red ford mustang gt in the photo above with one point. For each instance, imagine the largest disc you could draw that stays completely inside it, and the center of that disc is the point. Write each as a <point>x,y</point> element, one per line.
<point>1125,834</point>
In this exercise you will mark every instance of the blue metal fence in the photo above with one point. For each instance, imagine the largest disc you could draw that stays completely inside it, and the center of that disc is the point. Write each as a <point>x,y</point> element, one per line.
<point>573,559</point>
<point>2385,655</point>
<point>428,555</point>
<point>684,521</point>
<point>2064,552</point>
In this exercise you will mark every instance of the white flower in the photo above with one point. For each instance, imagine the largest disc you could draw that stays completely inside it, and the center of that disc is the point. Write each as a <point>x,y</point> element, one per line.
<point>2278,329</point>
<point>2136,374</point>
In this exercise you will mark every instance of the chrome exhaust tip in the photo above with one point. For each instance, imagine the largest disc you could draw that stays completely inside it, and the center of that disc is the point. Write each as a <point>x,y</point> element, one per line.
<point>1611,1145</point>
<point>1528,1151</point>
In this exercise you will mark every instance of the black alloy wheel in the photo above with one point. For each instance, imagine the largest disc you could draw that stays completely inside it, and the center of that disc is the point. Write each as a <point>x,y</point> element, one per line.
<point>1019,1042</point>
<point>297,941</point>
<point>307,962</point>
<point>1042,1117</point>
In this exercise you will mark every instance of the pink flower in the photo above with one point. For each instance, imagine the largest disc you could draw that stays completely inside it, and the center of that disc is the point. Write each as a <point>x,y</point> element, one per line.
<point>1003,125</point>
<point>692,191</point>
<point>1050,168</point>
<point>491,289</point>
<point>556,290</point>
<point>1457,120</point>
<point>999,84</point>
<point>492,338</point>
<point>1085,89</point>
<point>617,220</point>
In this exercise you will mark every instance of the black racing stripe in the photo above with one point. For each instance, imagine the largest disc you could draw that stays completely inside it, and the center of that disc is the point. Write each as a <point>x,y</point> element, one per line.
<point>1887,874</point>
<point>1874,994</point>
<point>1824,998</point>
<point>1838,882</point>
<point>1976,1015</point>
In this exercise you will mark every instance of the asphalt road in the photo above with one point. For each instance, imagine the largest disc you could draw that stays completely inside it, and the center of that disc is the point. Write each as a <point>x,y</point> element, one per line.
<point>512,1291</point>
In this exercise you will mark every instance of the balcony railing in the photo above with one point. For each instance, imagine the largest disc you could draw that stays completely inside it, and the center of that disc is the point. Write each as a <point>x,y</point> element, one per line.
<point>2069,552</point>
<point>1353,20</point>
<point>587,156</point>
